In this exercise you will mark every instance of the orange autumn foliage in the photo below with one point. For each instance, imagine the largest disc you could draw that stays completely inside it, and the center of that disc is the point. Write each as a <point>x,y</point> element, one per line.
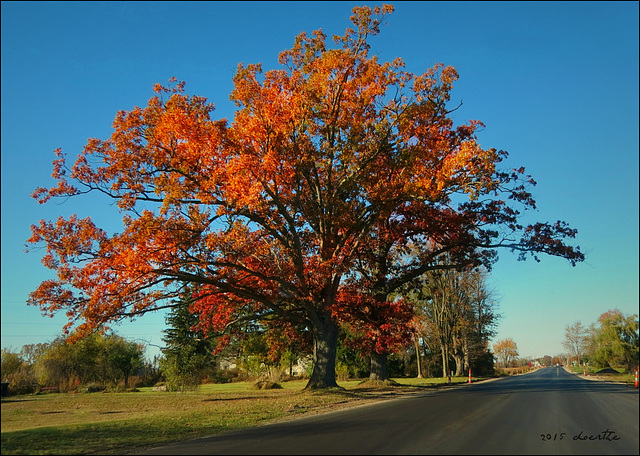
<point>268,213</point>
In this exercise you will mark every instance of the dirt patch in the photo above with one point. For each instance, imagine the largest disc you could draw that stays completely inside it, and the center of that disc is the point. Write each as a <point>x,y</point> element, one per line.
<point>607,370</point>
<point>377,384</point>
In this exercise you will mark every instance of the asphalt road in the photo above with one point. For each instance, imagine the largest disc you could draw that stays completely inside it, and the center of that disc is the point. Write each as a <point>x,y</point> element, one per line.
<point>549,411</point>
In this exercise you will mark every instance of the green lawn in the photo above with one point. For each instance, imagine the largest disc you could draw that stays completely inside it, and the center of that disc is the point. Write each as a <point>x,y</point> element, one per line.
<point>116,423</point>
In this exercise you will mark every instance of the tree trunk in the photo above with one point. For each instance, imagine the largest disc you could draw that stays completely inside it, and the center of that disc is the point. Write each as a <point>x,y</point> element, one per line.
<point>325,345</point>
<point>459,364</point>
<point>458,354</point>
<point>445,362</point>
<point>379,371</point>
<point>418,360</point>
<point>467,354</point>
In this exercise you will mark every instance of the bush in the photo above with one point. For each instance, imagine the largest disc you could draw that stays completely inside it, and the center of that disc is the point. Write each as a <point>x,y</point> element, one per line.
<point>266,384</point>
<point>11,364</point>
<point>95,388</point>
<point>22,382</point>
<point>396,366</point>
<point>223,376</point>
<point>242,377</point>
<point>159,387</point>
<point>483,365</point>
<point>342,371</point>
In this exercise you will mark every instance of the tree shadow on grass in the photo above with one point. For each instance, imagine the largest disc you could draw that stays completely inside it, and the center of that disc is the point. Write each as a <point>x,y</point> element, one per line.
<point>98,438</point>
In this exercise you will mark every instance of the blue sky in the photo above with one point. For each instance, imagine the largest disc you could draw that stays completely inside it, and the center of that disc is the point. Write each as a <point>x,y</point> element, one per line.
<point>556,84</point>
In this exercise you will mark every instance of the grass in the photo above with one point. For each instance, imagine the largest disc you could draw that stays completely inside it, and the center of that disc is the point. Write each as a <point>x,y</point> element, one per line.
<point>622,376</point>
<point>117,423</point>
<point>507,371</point>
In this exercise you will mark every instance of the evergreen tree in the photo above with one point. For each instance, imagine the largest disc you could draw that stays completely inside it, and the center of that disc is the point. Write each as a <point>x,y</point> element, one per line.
<point>188,354</point>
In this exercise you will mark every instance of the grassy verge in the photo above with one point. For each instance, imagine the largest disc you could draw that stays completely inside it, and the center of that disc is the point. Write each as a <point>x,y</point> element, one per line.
<point>117,423</point>
<point>507,371</point>
<point>621,376</point>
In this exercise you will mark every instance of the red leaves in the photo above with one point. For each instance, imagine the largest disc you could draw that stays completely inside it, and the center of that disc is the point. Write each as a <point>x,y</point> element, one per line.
<point>549,239</point>
<point>376,325</point>
<point>215,309</point>
<point>329,163</point>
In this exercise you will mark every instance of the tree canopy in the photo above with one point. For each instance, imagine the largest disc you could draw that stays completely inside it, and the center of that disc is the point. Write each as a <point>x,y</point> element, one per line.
<point>614,341</point>
<point>268,214</point>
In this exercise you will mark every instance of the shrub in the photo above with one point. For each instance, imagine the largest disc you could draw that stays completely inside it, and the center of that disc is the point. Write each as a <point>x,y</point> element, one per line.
<point>223,376</point>
<point>266,384</point>
<point>342,371</point>
<point>22,382</point>
<point>95,388</point>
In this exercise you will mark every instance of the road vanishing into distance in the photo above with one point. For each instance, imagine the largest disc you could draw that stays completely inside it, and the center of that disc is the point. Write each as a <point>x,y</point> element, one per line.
<point>549,411</point>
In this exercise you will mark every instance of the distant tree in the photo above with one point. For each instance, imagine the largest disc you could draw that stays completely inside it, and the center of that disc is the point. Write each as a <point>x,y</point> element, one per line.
<point>122,356</point>
<point>16,371</point>
<point>477,323</point>
<point>97,358</point>
<point>429,347</point>
<point>615,340</point>
<point>256,357</point>
<point>63,364</point>
<point>558,359</point>
<point>458,310</point>
<point>11,363</point>
<point>506,350</point>
<point>287,345</point>
<point>31,352</point>
<point>576,339</point>
<point>437,296</point>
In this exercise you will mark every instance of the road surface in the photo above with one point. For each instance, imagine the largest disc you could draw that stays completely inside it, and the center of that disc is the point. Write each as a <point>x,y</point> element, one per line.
<point>549,411</point>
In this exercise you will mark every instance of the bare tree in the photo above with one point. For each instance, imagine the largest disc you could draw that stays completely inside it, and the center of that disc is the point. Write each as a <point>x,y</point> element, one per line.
<point>478,320</point>
<point>457,310</point>
<point>576,339</point>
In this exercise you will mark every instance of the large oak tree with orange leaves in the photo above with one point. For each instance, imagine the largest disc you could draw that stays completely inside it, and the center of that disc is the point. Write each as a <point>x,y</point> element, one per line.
<point>268,214</point>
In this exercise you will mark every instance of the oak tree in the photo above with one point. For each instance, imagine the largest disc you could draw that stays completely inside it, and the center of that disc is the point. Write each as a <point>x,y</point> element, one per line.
<point>267,214</point>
